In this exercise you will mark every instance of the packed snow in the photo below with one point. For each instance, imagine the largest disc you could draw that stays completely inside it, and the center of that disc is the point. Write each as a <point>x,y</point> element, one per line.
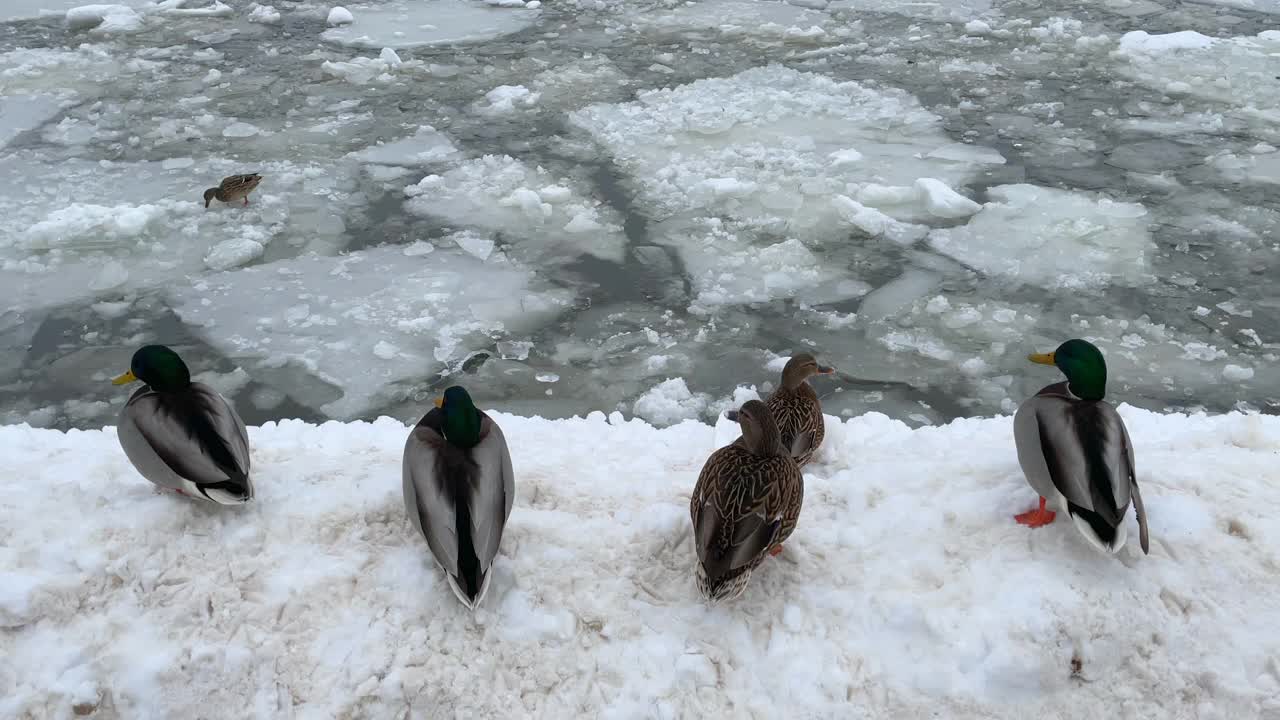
<point>906,591</point>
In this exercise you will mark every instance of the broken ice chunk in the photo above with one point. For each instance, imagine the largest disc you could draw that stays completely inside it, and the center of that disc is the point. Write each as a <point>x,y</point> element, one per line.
<point>940,200</point>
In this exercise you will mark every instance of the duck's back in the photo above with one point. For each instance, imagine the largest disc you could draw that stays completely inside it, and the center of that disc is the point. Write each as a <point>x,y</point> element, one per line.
<point>188,438</point>
<point>798,411</point>
<point>742,505</point>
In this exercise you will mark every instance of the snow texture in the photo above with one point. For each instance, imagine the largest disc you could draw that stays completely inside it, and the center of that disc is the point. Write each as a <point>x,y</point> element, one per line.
<point>906,591</point>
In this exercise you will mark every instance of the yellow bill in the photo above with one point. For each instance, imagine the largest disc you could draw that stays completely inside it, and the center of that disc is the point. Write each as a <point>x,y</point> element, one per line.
<point>1041,358</point>
<point>439,402</point>
<point>124,379</point>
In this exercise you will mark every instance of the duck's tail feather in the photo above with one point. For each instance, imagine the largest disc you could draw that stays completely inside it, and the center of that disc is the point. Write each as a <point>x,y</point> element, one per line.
<point>228,492</point>
<point>1101,534</point>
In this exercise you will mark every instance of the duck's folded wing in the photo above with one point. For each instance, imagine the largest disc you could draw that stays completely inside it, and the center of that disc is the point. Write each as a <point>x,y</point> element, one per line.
<point>197,434</point>
<point>1087,456</point>
<point>492,492</point>
<point>731,528</point>
<point>428,499</point>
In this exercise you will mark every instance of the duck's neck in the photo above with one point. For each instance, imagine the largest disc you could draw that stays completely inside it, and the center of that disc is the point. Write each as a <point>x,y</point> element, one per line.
<point>462,427</point>
<point>763,438</point>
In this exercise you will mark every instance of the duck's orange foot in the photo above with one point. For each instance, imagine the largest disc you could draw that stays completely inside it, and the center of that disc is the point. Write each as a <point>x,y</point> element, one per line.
<point>246,201</point>
<point>1036,518</point>
<point>775,551</point>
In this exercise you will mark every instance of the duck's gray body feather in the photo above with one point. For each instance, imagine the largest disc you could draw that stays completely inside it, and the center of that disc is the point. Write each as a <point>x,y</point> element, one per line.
<point>1077,455</point>
<point>443,483</point>
<point>193,441</point>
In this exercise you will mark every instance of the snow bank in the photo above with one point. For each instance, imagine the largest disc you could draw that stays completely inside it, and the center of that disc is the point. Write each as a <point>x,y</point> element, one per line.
<point>906,591</point>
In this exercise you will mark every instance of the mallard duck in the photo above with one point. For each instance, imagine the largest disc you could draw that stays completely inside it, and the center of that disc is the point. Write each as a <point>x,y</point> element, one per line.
<point>745,504</point>
<point>183,435</point>
<point>1075,451</point>
<point>235,187</point>
<point>796,408</point>
<point>458,489</point>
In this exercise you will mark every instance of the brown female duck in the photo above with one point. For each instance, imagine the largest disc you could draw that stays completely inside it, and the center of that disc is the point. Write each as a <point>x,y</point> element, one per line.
<point>796,408</point>
<point>745,504</point>
<point>235,187</point>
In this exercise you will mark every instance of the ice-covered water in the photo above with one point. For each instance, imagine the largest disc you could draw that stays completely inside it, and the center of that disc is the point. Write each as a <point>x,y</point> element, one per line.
<point>639,206</point>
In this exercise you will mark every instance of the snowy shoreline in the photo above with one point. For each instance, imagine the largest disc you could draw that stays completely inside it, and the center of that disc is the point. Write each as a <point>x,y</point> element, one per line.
<point>907,589</point>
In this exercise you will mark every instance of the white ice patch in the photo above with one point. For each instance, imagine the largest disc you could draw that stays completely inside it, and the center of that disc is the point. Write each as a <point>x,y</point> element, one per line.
<point>744,172</point>
<point>20,113</point>
<point>305,326</point>
<point>759,145</point>
<point>946,10</point>
<point>501,194</point>
<point>740,19</point>
<point>58,229</point>
<point>405,24</point>
<point>104,19</point>
<point>1240,72</point>
<point>1053,238</point>
<point>725,270</point>
<point>339,16</point>
<point>507,98</point>
<point>264,14</point>
<point>425,146</point>
<point>361,70</point>
<point>669,402</point>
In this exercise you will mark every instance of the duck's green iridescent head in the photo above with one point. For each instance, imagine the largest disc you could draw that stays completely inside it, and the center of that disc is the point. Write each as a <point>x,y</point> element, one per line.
<point>461,418</point>
<point>159,367</point>
<point>1083,365</point>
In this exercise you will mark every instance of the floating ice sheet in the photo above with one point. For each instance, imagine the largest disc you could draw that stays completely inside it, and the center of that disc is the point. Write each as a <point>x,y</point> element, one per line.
<point>1053,238</point>
<point>29,9</point>
<point>1238,71</point>
<point>761,19</point>
<point>546,218</point>
<point>78,229</point>
<point>775,144</point>
<point>339,334</point>
<point>747,172</point>
<point>416,23</point>
<point>425,146</point>
<point>727,269</point>
<point>20,113</point>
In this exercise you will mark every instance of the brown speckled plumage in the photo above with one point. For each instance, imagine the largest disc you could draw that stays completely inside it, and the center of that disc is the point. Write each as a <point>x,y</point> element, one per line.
<point>795,405</point>
<point>235,187</point>
<point>746,502</point>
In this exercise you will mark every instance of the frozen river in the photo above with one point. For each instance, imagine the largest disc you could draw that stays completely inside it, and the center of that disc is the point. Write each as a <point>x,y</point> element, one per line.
<point>639,206</point>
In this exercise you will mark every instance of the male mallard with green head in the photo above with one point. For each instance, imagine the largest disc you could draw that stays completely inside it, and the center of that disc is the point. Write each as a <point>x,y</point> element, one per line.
<point>458,490</point>
<point>796,408</point>
<point>235,187</point>
<point>183,435</point>
<point>1074,450</point>
<point>745,504</point>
